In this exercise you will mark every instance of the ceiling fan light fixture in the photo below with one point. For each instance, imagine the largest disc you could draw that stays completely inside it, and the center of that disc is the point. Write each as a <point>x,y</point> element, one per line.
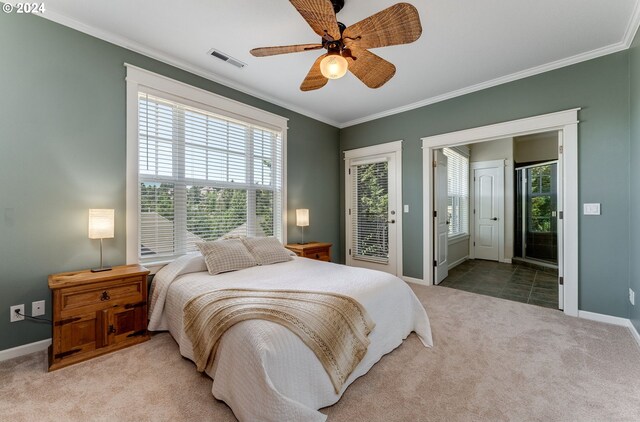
<point>334,66</point>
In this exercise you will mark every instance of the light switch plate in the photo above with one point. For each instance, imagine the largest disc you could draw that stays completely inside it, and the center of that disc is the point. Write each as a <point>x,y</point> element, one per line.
<point>591,209</point>
<point>406,208</point>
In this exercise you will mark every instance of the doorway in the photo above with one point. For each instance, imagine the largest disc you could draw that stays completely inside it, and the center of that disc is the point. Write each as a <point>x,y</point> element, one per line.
<point>565,125</point>
<point>373,188</point>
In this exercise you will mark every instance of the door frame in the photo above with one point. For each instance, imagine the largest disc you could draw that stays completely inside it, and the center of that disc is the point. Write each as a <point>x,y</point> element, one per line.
<point>361,153</point>
<point>472,204</point>
<point>564,121</point>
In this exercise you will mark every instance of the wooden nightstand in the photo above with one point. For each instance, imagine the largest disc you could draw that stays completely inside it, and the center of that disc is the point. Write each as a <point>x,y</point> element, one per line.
<point>97,313</point>
<point>313,250</point>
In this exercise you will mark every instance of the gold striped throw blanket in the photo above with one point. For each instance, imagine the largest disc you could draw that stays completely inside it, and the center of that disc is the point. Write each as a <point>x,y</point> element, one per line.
<point>333,326</point>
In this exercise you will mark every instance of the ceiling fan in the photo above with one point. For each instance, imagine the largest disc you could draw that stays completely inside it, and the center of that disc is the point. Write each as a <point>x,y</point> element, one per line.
<point>347,47</point>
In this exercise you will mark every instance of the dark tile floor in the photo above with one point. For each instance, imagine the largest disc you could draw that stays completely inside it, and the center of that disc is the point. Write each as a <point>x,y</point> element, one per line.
<point>507,281</point>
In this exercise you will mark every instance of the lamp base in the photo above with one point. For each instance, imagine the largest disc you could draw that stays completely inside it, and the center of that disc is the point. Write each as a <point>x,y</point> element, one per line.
<point>97,270</point>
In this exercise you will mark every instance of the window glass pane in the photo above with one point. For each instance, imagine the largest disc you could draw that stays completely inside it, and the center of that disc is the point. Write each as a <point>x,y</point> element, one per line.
<point>264,212</point>
<point>156,219</point>
<point>371,234</point>
<point>540,215</point>
<point>213,213</point>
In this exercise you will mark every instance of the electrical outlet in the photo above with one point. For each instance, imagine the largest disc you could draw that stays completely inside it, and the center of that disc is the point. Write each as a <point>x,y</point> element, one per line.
<point>14,317</point>
<point>37,308</point>
<point>632,297</point>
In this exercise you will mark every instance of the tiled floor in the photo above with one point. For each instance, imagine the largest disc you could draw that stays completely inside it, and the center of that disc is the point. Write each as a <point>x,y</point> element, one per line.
<point>508,281</point>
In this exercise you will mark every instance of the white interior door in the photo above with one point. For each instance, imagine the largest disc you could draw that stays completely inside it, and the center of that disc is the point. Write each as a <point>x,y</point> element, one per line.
<point>487,212</point>
<point>373,217</point>
<point>441,217</point>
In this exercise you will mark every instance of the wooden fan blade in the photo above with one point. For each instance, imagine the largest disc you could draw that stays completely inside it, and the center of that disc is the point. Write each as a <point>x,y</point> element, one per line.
<point>284,49</point>
<point>372,70</point>
<point>314,79</point>
<point>320,16</point>
<point>398,24</point>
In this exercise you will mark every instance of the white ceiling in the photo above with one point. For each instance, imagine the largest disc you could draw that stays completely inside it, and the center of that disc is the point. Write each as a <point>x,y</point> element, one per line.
<point>466,45</point>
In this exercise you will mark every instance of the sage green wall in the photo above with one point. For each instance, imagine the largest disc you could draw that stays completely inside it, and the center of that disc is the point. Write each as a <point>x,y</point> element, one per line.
<point>62,151</point>
<point>634,232</point>
<point>601,88</point>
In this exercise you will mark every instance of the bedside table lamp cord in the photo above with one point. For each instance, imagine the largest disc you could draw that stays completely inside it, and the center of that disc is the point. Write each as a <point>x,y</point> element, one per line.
<point>36,318</point>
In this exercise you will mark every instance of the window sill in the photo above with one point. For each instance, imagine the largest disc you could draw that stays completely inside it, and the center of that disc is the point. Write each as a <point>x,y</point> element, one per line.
<point>458,239</point>
<point>155,266</point>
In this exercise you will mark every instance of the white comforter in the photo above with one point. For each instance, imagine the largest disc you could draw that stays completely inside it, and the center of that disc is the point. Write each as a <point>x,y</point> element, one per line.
<point>262,370</point>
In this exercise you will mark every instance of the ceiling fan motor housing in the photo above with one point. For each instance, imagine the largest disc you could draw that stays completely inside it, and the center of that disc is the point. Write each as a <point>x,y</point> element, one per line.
<point>337,5</point>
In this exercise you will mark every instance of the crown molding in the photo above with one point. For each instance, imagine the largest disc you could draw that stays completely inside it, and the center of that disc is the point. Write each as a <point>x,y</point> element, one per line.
<point>632,28</point>
<point>495,82</point>
<point>625,43</point>
<point>124,42</point>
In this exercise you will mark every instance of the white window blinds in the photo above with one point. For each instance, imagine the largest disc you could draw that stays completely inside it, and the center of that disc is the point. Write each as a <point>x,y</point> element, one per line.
<point>370,189</point>
<point>202,177</point>
<point>458,192</point>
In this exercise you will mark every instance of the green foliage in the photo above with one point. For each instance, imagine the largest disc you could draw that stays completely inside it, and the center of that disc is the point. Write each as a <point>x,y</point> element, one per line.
<point>541,191</point>
<point>157,198</point>
<point>211,212</point>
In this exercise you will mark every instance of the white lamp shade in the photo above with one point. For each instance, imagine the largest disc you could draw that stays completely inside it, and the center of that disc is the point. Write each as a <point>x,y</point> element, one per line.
<point>334,66</point>
<point>302,217</point>
<point>101,223</point>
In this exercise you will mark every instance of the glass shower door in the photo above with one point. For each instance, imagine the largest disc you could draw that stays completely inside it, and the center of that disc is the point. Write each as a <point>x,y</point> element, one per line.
<point>537,205</point>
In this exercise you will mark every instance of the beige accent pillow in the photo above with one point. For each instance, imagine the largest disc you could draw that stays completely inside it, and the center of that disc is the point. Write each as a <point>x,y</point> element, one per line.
<point>222,256</point>
<point>267,250</point>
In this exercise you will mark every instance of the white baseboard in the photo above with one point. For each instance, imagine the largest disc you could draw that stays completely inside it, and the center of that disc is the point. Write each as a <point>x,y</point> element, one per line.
<point>604,318</point>
<point>634,333</point>
<point>25,349</point>
<point>458,262</point>
<point>414,280</point>
<point>505,260</point>
<point>608,319</point>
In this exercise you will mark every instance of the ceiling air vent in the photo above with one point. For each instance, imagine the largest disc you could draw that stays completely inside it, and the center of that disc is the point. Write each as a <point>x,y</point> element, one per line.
<point>226,58</point>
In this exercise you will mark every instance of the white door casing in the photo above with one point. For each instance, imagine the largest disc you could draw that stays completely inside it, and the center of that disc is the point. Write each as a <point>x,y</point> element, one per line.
<point>390,153</point>
<point>487,240</point>
<point>560,221</point>
<point>564,121</point>
<point>441,217</point>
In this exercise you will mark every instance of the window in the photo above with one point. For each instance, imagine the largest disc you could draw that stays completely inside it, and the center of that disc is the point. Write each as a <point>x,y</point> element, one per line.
<point>201,175</point>
<point>458,192</point>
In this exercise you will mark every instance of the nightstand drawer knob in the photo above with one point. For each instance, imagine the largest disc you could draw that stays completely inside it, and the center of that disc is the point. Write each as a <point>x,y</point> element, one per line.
<point>105,296</point>
<point>317,255</point>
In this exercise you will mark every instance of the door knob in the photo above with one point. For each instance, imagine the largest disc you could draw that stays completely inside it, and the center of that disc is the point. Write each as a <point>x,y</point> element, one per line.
<point>495,219</point>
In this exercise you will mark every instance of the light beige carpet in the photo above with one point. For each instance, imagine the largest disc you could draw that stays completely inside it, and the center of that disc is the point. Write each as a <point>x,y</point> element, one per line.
<point>493,360</point>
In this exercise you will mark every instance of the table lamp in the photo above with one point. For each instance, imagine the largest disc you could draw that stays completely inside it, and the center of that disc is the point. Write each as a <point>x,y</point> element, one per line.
<point>302,220</point>
<point>101,226</point>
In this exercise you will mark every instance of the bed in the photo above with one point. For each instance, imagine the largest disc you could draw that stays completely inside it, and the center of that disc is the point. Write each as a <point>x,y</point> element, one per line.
<point>262,370</point>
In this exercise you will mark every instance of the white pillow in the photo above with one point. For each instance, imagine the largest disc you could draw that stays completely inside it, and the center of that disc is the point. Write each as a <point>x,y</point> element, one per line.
<point>267,250</point>
<point>226,255</point>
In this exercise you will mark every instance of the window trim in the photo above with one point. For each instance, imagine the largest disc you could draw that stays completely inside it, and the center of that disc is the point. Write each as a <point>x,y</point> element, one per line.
<point>142,80</point>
